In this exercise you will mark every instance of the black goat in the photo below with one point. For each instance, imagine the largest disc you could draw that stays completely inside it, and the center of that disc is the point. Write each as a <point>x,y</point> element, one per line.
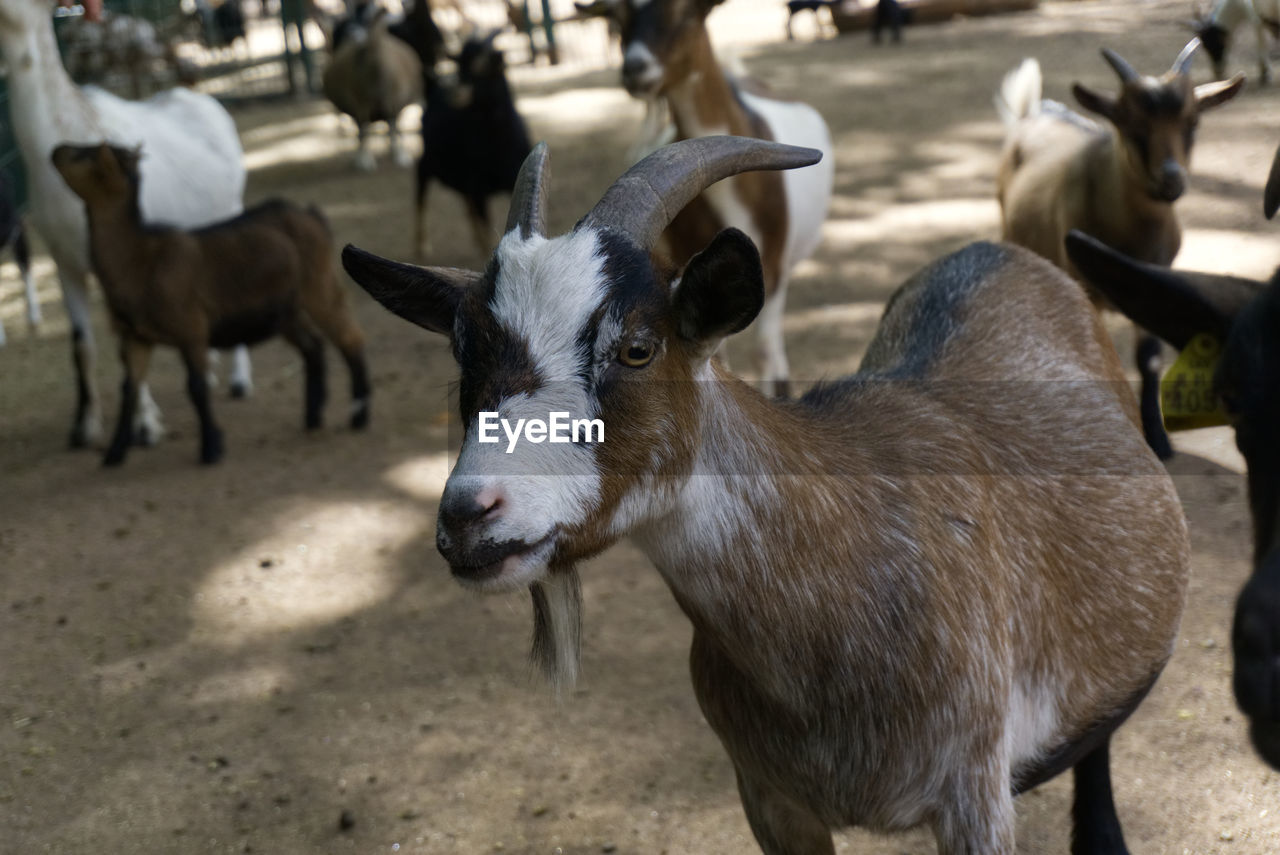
<point>889,13</point>
<point>473,140</point>
<point>1243,318</point>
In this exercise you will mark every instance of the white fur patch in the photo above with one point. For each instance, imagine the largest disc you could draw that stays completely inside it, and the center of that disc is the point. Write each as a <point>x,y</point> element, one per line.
<point>1032,722</point>
<point>546,292</point>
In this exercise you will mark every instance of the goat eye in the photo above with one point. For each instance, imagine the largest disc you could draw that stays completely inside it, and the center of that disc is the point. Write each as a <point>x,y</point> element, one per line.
<point>636,354</point>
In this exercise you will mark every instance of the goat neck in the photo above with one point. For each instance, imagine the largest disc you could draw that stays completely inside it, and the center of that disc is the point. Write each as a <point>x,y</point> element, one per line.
<point>46,107</point>
<point>703,101</point>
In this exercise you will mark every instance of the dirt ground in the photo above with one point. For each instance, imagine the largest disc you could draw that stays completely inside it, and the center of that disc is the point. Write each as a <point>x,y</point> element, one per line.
<point>249,657</point>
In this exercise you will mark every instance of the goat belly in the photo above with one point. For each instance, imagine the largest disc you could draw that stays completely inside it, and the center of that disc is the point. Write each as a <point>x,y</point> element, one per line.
<point>246,327</point>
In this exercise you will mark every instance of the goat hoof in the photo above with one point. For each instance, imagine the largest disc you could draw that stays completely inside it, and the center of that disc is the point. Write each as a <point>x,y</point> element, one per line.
<point>360,415</point>
<point>113,458</point>
<point>211,450</point>
<point>365,162</point>
<point>240,390</point>
<point>82,436</point>
<point>402,158</point>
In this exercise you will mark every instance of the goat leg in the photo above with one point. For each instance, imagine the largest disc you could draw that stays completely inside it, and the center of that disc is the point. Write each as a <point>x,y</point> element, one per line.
<point>481,232</point>
<point>87,426</point>
<point>780,825</point>
<point>1095,828</point>
<point>136,358</point>
<point>1147,356</point>
<point>22,255</point>
<point>197,362</point>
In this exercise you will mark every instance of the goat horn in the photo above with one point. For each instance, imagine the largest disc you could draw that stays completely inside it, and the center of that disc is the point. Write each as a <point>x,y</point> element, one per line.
<point>1182,65</point>
<point>1271,199</point>
<point>644,201</point>
<point>1127,72</point>
<point>529,197</point>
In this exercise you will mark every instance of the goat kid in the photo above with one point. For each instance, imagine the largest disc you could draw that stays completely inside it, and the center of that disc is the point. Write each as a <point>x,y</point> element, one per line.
<point>267,272</point>
<point>14,234</point>
<point>194,172</point>
<point>373,76</point>
<point>1227,16</point>
<point>885,634</point>
<point>473,140</point>
<point>667,54</point>
<point>1244,317</point>
<point>1060,171</point>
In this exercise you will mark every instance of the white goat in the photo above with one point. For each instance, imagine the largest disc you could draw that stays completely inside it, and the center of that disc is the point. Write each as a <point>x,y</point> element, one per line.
<point>1225,18</point>
<point>915,592</point>
<point>193,172</point>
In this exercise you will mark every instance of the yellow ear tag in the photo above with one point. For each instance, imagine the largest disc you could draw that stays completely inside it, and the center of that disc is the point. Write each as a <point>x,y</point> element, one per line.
<point>1186,392</point>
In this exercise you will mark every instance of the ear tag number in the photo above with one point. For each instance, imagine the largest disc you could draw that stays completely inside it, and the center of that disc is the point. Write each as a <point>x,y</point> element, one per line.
<point>1186,392</point>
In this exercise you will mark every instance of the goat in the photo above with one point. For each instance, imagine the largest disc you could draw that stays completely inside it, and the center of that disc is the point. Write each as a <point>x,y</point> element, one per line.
<point>885,634</point>
<point>13,233</point>
<point>1227,16</point>
<point>890,14</point>
<point>372,76</point>
<point>795,7</point>
<point>1118,182</point>
<point>1244,318</point>
<point>473,139</point>
<point>667,54</point>
<point>267,272</point>
<point>194,173</point>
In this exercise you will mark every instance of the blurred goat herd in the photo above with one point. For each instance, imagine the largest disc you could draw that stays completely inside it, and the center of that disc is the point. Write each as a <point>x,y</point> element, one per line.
<point>916,591</point>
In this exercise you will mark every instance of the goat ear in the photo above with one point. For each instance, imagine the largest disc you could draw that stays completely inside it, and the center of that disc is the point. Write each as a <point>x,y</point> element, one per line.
<point>1173,304</point>
<point>1210,95</point>
<point>1094,102</point>
<point>721,289</point>
<point>426,296</point>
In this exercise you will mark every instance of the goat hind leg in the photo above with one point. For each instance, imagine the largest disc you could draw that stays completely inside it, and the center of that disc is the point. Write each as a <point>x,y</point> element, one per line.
<point>86,428</point>
<point>301,333</point>
<point>197,362</point>
<point>340,328</point>
<point>399,156</point>
<point>1095,827</point>
<point>364,157</point>
<point>780,825</point>
<point>241,377</point>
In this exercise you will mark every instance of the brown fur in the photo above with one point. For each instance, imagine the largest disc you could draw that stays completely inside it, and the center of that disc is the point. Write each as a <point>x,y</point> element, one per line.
<point>267,272</point>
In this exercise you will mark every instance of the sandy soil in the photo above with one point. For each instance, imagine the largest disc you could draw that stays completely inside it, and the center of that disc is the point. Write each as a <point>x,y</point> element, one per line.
<point>235,659</point>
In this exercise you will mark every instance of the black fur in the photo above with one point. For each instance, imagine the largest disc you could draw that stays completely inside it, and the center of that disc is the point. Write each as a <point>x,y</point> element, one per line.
<point>890,14</point>
<point>475,149</point>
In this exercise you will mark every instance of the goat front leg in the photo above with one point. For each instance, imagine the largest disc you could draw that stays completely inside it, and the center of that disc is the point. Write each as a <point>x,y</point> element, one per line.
<point>86,429</point>
<point>364,157</point>
<point>481,233</point>
<point>772,354</point>
<point>1264,61</point>
<point>135,355</point>
<point>782,826</point>
<point>1147,356</point>
<point>1095,827</point>
<point>22,255</point>
<point>421,245</point>
<point>978,818</point>
<point>197,362</point>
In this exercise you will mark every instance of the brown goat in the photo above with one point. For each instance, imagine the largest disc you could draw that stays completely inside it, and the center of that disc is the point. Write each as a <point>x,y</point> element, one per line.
<point>266,272</point>
<point>915,591</point>
<point>1060,171</point>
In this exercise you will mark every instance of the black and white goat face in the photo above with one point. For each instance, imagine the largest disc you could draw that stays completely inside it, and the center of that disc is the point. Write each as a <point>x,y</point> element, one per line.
<point>582,324</point>
<point>1244,317</point>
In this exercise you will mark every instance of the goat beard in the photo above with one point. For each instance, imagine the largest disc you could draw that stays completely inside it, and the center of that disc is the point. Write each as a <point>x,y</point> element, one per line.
<point>557,627</point>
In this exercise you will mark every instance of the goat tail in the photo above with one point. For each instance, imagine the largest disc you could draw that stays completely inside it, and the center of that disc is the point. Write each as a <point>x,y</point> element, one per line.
<point>1020,93</point>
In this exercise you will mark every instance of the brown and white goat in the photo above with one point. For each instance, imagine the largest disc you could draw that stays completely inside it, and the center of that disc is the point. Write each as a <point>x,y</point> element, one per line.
<point>1244,318</point>
<point>1118,182</point>
<point>915,591</point>
<point>267,272</point>
<point>667,55</point>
